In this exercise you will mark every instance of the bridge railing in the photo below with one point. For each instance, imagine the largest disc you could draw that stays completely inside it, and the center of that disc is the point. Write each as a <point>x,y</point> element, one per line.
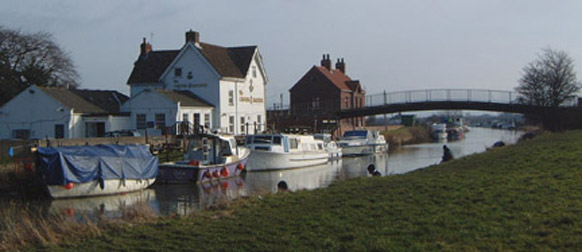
<point>436,95</point>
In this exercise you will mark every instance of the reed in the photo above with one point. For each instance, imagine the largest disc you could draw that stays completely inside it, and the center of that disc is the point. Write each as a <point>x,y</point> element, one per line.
<point>22,226</point>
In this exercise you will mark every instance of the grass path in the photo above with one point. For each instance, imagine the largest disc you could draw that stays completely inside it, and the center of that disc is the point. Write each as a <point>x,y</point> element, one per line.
<point>523,197</point>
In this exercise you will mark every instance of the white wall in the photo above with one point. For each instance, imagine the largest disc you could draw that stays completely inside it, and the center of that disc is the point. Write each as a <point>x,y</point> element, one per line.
<point>35,111</point>
<point>248,104</point>
<point>151,103</point>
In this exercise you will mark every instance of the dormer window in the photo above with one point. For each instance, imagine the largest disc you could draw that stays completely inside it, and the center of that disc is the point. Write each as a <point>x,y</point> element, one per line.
<point>178,72</point>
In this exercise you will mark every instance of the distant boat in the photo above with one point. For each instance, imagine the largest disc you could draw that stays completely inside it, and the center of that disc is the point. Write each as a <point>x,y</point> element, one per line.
<point>439,131</point>
<point>208,157</point>
<point>362,142</point>
<point>81,171</point>
<point>284,151</point>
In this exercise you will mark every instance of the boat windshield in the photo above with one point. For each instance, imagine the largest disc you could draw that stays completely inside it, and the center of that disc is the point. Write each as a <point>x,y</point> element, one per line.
<point>356,134</point>
<point>264,140</point>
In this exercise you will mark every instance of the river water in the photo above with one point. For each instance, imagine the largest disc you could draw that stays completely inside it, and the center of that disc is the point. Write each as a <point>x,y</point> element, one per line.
<point>184,199</point>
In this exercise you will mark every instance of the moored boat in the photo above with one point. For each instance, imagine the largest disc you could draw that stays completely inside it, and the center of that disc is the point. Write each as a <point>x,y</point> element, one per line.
<point>439,131</point>
<point>334,151</point>
<point>284,151</point>
<point>208,157</point>
<point>81,171</point>
<point>362,142</point>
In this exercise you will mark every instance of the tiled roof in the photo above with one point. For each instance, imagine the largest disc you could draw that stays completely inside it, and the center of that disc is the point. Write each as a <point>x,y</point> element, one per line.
<point>149,67</point>
<point>228,62</point>
<point>336,77</point>
<point>107,100</point>
<point>186,98</point>
<point>71,100</point>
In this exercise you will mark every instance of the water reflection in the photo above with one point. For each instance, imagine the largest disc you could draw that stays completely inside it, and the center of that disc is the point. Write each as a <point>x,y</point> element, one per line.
<point>103,207</point>
<point>183,199</point>
<point>293,179</point>
<point>187,198</point>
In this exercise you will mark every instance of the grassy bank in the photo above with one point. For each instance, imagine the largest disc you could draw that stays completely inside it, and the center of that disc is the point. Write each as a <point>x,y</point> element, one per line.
<point>407,135</point>
<point>523,197</point>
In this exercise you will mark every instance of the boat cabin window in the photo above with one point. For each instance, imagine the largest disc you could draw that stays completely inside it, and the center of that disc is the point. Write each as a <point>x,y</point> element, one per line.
<point>225,148</point>
<point>262,139</point>
<point>320,146</point>
<point>277,140</point>
<point>293,143</point>
<point>356,133</point>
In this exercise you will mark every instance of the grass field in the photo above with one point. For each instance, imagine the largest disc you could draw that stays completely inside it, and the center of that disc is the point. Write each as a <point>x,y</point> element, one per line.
<point>522,197</point>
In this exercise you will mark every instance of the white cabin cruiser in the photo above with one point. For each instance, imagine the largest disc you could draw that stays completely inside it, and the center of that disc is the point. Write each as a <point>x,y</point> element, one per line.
<point>335,152</point>
<point>362,142</point>
<point>284,151</point>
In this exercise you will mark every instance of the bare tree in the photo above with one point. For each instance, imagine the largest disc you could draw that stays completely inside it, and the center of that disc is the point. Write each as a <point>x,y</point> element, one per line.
<point>32,59</point>
<point>549,80</point>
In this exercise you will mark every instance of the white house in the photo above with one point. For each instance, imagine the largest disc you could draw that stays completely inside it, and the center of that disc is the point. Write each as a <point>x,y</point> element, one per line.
<point>232,79</point>
<point>161,108</point>
<point>39,112</point>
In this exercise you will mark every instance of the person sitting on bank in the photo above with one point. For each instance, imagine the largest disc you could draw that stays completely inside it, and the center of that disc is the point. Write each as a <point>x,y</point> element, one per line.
<point>447,154</point>
<point>372,170</point>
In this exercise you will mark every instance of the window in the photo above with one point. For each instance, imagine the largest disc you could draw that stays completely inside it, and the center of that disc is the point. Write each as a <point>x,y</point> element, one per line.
<point>59,131</point>
<point>21,133</point>
<point>347,103</point>
<point>254,72</point>
<point>315,103</point>
<point>230,97</point>
<point>231,124</point>
<point>259,123</point>
<point>293,143</point>
<point>190,75</point>
<point>140,121</point>
<point>160,121</point>
<point>185,117</point>
<point>207,120</point>
<point>178,72</point>
<point>242,124</point>
<point>196,119</point>
<point>92,129</point>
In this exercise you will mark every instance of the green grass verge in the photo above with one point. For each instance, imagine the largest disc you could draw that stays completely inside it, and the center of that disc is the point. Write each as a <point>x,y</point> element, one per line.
<point>523,197</point>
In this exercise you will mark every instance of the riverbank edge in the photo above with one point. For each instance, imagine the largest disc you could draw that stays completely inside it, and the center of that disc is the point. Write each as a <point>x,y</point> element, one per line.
<point>405,135</point>
<point>521,197</point>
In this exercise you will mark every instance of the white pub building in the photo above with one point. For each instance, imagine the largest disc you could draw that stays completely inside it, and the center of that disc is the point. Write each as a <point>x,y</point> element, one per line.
<point>232,80</point>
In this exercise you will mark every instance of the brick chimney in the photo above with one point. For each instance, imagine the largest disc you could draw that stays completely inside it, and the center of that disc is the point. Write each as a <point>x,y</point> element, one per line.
<point>192,36</point>
<point>145,47</point>
<point>326,62</point>
<point>341,65</point>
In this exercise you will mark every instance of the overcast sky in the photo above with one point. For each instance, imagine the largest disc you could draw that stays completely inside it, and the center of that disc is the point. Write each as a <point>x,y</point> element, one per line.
<point>387,45</point>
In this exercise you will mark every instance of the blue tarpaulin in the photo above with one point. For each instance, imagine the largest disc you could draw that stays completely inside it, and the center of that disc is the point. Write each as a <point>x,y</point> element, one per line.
<point>80,164</point>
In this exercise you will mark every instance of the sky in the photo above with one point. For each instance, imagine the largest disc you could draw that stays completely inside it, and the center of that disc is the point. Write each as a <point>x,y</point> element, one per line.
<point>388,45</point>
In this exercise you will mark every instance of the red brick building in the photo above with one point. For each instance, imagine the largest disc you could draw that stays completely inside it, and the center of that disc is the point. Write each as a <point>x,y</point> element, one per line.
<point>320,93</point>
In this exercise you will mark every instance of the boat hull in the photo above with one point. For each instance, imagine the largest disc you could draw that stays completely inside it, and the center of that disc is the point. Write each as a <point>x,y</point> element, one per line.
<point>363,150</point>
<point>267,160</point>
<point>96,188</point>
<point>184,173</point>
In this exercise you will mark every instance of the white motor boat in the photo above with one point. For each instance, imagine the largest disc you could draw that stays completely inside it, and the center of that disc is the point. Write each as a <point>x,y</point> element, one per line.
<point>362,142</point>
<point>284,151</point>
<point>209,157</point>
<point>335,152</point>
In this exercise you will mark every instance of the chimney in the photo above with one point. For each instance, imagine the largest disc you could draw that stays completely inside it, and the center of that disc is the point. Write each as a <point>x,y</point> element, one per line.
<point>145,47</point>
<point>192,36</point>
<point>341,65</point>
<point>326,62</point>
